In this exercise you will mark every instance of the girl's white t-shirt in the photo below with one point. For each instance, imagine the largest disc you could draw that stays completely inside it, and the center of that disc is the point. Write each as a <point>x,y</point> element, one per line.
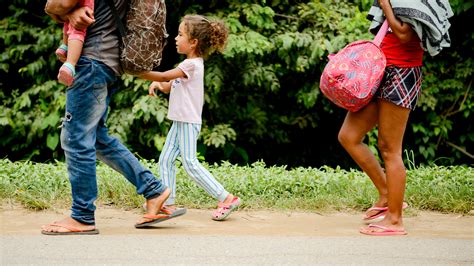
<point>187,93</point>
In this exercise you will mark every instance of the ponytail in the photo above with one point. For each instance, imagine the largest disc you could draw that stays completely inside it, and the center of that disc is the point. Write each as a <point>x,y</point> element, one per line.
<point>219,34</point>
<point>211,34</point>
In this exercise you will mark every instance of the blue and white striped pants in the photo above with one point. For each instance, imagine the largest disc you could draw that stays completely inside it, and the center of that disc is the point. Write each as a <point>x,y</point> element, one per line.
<point>181,140</point>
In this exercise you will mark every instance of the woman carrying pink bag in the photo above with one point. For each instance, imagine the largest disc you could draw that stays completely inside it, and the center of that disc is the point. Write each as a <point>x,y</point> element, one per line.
<point>396,97</point>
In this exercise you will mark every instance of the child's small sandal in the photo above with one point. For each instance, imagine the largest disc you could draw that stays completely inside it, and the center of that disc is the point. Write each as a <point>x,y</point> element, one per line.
<point>61,53</point>
<point>66,74</point>
<point>224,210</point>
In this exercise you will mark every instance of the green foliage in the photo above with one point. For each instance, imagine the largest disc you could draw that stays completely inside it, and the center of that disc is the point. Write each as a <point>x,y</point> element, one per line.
<point>444,125</point>
<point>446,189</point>
<point>32,102</point>
<point>262,94</point>
<point>218,136</point>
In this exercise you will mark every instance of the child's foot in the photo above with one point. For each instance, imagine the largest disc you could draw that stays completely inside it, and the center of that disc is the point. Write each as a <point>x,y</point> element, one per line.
<point>61,53</point>
<point>66,74</point>
<point>224,209</point>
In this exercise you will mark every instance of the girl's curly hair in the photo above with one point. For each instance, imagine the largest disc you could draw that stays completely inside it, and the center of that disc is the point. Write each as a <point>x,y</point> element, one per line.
<point>211,34</point>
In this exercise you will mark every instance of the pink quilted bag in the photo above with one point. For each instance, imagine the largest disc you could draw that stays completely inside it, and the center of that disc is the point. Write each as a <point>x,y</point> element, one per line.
<point>352,76</point>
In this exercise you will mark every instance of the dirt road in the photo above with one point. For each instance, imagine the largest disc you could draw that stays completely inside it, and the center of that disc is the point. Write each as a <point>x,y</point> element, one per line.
<point>248,237</point>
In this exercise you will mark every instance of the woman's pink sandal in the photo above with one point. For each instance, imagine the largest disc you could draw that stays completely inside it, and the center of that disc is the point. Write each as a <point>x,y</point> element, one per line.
<point>224,210</point>
<point>380,214</point>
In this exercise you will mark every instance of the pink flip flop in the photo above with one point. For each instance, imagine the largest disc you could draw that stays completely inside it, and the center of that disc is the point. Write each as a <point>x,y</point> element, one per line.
<point>381,214</point>
<point>72,230</point>
<point>381,231</point>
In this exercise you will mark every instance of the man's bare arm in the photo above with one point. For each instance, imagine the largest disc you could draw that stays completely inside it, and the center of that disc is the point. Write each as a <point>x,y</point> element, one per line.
<point>65,10</point>
<point>59,7</point>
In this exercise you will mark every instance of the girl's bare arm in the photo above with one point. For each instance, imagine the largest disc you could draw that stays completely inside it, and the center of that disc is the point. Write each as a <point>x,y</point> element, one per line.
<point>164,87</point>
<point>163,76</point>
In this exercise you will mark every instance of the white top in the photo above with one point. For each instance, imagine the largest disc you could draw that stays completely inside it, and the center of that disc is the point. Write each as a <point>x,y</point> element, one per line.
<point>187,93</point>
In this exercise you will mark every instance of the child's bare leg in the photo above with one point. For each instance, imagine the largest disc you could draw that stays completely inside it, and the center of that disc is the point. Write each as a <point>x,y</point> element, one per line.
<point>74,51</point>
<point>392,125</point>
<point>67,70</point>
<point>61,52</point>
<point>351,136</point>
<point>65,37</point>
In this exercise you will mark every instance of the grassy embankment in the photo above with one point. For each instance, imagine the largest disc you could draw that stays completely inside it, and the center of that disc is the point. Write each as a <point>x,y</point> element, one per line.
<point>446,189</point>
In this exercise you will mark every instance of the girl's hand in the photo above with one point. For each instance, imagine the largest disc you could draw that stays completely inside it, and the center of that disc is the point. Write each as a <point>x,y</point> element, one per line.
<point>162,87</point>
<point>153,86</point>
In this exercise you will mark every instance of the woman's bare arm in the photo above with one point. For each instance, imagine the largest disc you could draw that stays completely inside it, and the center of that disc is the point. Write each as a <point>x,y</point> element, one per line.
<point>402,30</point>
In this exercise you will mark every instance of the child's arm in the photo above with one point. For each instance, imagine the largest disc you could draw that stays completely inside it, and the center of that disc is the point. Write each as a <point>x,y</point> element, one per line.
<point>162,80</point>
<point>402,30</point>
<point>163,76</point>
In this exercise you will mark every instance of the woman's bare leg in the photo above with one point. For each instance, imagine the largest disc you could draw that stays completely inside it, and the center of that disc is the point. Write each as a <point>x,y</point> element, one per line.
<point>351,136</point>
<point>392,124</point>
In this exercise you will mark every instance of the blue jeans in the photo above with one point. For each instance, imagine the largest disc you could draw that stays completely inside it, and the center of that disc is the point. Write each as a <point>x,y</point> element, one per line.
<point>84,138</point>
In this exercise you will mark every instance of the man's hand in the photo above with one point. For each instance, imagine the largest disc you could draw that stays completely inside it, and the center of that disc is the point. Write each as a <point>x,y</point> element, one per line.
<point>81,18</point>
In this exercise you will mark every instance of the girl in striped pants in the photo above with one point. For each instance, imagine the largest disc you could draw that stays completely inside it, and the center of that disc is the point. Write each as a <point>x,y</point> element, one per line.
<point>197,38</point>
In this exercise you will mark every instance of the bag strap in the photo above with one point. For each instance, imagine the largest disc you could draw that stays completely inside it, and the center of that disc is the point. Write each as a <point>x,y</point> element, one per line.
<point>118,21</point>
<point>381,34</point>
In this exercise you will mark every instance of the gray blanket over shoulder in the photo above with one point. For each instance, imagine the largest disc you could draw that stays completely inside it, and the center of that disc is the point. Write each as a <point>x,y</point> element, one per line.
<point>429,19</point>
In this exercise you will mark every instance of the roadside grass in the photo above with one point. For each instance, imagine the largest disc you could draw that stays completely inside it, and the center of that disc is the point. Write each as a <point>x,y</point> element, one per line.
<point>41,186</point>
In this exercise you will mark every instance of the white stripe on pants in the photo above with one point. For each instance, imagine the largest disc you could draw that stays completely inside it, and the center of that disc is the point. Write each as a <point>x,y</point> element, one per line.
<point>181,140</point>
